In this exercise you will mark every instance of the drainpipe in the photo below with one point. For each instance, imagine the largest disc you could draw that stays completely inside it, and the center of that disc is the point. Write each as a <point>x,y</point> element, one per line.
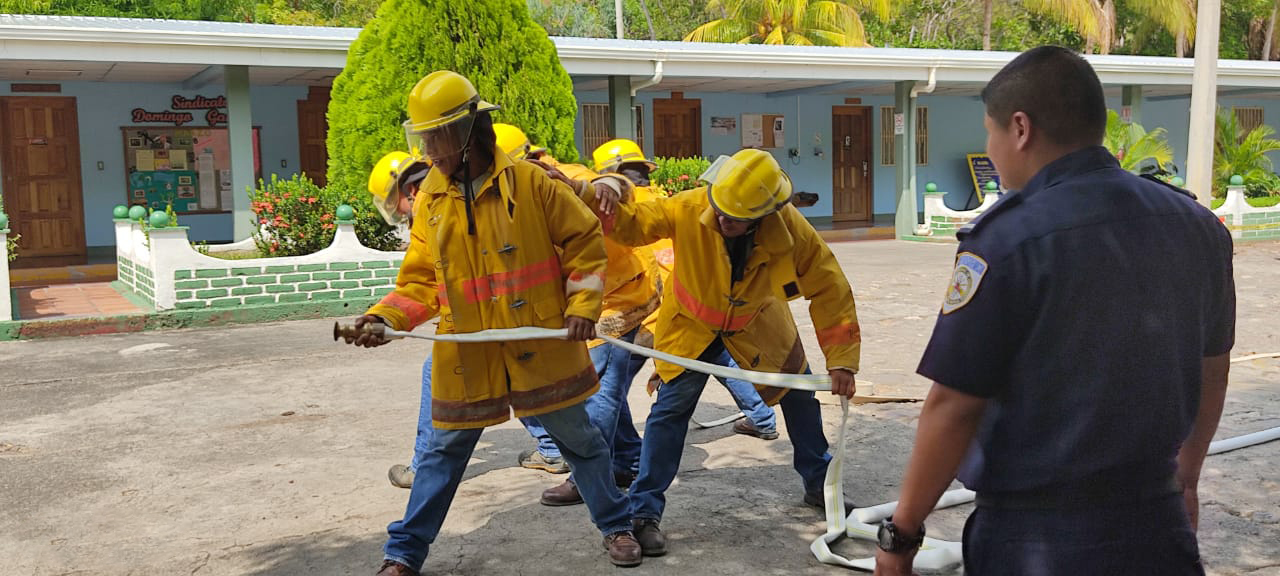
<point>657,77</point>
<point>933,83</point>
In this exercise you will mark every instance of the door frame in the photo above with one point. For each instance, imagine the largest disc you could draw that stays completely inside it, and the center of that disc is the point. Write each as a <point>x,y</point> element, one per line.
<point>77,181</point>
<point>867,112</point>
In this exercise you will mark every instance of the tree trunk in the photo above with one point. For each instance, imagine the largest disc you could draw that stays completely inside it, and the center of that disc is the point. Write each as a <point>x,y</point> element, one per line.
<point>1180,47</point>
<point>1267,35</point>
<point>987,9</point>
<point>1107,25</point>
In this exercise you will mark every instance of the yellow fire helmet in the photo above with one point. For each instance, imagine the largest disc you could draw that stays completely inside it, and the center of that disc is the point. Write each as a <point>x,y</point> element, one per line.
<point>513,141</point>
<point>389,175</point>
<point>614,153</point>
<point>747,186</point>
<point>440,99</point>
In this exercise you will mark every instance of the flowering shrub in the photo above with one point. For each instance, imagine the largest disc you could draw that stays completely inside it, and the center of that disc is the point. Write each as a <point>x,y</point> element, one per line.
<point>676,175</point>
<point>292,217</point>
<point>296,217</point>
<point>12,240</point>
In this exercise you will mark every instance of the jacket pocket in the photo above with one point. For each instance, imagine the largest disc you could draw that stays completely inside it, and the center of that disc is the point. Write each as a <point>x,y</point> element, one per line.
<point>549,313</point>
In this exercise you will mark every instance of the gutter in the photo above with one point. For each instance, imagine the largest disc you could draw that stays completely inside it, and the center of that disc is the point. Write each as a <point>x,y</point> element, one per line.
<point>657,77</point>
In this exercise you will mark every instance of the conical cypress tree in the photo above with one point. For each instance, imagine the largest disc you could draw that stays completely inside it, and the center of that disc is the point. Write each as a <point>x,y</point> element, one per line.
<point>494,43</point>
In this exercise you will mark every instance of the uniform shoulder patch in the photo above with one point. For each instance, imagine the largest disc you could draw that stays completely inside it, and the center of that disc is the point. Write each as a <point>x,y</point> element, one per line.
<point>1182,191</point>
<point>965,279</point>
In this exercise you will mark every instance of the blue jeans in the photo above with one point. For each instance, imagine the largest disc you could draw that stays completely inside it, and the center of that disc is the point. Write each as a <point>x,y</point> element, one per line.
<point>664,435</point>
<point>545,446</point>
<point>746,397</point>
<point>423,439</point>
<point>445,461</point>
<point>608,407</point>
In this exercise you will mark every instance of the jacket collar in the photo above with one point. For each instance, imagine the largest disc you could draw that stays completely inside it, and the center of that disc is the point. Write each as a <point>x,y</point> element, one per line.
<point>1068,166</point>
<point>772,236</point>
<point>438,183</point>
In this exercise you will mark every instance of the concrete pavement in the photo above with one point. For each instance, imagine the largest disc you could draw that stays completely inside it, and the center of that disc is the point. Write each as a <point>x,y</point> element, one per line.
<point>263,449</point>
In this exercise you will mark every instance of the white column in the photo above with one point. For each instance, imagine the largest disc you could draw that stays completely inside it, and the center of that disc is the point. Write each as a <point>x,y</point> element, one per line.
<point>1204,96</point>
<point>240,136</point>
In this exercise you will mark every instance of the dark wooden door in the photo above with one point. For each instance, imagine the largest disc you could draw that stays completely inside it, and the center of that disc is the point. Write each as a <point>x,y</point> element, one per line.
<point>851,164</point>
<point>42,189</point>
<point>313,129</point>
<point>677,126</point>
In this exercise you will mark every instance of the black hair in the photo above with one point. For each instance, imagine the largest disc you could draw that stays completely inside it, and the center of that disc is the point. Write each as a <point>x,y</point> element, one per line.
<point>483,136</point>
<point>1057,89</point>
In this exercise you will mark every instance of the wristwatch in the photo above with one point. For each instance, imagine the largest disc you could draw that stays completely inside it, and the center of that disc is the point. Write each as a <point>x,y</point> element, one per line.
<point>892,541</point>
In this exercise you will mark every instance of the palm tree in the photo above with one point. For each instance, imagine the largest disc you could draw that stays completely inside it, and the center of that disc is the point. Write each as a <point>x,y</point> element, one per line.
<point>797,22</point>
<point>1134,146</point>
<point>1079,15</point>
<point>1238,152</point>
<point>1176,16</point>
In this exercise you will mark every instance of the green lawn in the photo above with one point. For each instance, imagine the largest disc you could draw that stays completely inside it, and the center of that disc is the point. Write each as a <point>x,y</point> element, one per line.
<point>1263,202</point>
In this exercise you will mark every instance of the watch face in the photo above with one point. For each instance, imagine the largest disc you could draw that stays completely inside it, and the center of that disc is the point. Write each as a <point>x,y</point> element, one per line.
<point>885,537</point>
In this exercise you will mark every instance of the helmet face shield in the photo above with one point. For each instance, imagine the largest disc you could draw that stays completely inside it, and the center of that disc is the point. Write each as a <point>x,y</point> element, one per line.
<point>442,143</point>
<point>388,205</point>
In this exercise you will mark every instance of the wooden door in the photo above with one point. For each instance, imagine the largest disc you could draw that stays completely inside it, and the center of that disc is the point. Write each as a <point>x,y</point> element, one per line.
<point>42,191</point>
<point>313,129</point>
<point>851,164</point>
<point>677,126</point>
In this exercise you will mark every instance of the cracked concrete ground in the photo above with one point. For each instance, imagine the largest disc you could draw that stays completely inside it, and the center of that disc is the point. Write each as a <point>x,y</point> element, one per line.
<point>259,450</point>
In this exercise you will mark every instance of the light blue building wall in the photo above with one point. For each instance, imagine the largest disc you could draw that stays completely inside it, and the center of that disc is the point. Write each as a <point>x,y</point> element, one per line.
<point>104,108</point>
<point>955,130</point>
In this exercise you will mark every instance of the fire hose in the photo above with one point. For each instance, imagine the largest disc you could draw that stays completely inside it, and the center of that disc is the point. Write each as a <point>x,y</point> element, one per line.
<point>860,524</point>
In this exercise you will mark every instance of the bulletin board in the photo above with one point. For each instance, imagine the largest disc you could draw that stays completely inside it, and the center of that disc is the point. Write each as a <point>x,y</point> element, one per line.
<point>189,167</point>
<point>763,130</point>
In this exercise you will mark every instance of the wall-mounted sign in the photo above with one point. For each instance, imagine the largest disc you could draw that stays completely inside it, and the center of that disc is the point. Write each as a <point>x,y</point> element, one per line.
<point>982,170</point>
<point>213,117</point>
<point>141,116</point>
<point>180,102</point>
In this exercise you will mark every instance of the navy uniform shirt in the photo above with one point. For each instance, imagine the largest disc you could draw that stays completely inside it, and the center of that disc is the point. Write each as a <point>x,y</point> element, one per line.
<point>1081,307</point>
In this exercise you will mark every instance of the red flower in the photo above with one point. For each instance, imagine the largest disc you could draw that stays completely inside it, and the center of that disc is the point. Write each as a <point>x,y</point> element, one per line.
<point>684,176</point>
<point>327,226</point>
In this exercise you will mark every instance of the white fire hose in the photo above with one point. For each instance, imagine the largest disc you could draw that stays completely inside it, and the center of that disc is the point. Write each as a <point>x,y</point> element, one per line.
<point>860,524</point>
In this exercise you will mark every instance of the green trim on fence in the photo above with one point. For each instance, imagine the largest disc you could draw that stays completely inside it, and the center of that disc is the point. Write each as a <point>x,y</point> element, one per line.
<point>172,319</point>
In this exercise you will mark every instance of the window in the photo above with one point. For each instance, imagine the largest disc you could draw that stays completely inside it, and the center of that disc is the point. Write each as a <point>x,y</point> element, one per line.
<point>888,151</point>
<point>922,136</point>
<point>1247,119</point>
<point>596,127</point>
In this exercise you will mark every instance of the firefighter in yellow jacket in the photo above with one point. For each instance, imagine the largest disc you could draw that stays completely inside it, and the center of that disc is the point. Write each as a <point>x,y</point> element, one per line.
<point>741,252</point>
<point>624,157</point>
<point>629,296</point>
<point>483,255</point>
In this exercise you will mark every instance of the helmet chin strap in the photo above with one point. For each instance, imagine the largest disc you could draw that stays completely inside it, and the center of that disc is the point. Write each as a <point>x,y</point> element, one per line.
<point>468,191</point>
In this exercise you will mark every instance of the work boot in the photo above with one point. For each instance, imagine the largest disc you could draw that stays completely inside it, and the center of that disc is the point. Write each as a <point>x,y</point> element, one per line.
<point>566,494</point>
<point>745,427</point>
<point>652,542</point>
<point>623,549</point>
<point>535,460</point>
<point>819,501</point>
<point>393,568</point>
<point>401,476</point>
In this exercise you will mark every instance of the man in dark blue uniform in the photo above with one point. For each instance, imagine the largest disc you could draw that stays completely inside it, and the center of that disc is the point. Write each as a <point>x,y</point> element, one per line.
<point>1080,357</point>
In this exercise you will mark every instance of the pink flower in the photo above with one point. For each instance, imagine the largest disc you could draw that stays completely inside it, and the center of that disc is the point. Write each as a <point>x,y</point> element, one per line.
<point>684,176</point>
